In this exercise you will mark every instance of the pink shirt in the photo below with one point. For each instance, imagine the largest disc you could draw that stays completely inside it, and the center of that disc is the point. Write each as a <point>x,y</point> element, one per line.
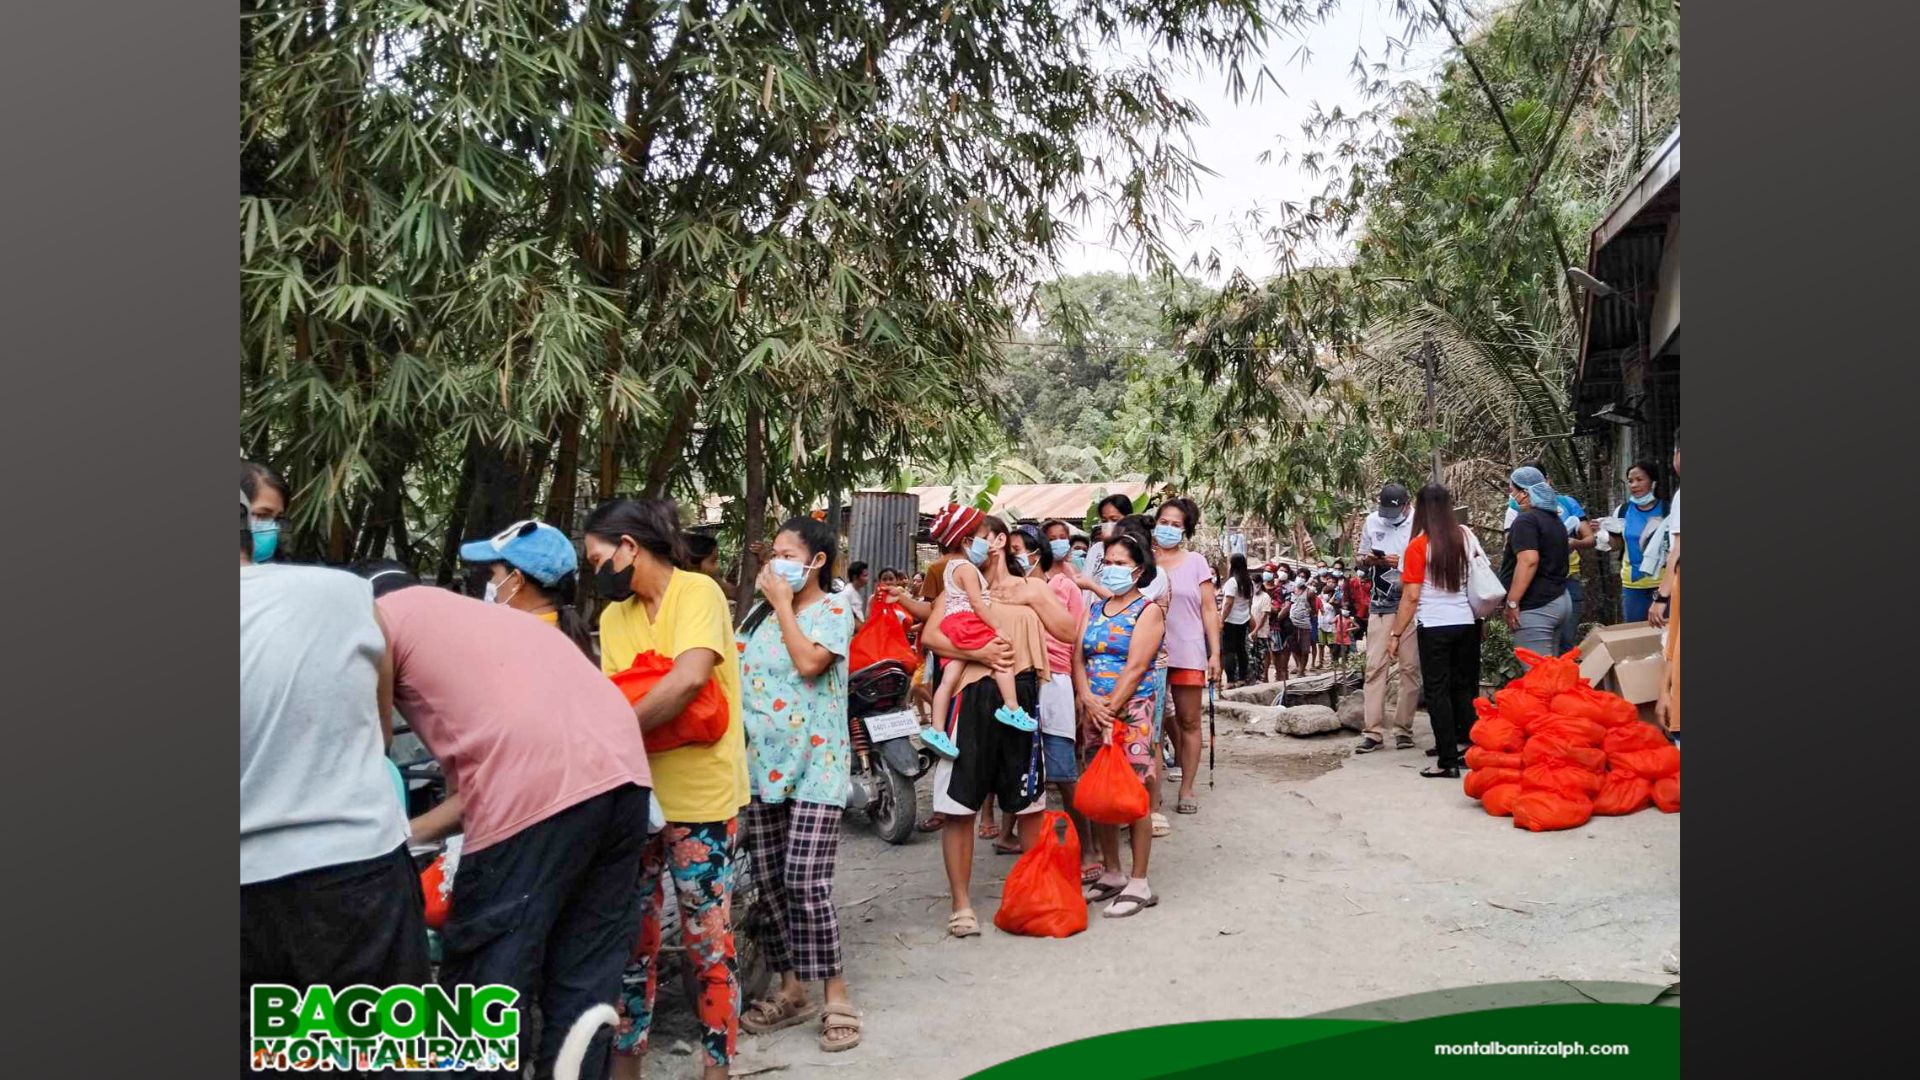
<point>1060,653</point>
<point>523,722</point>
<point>1186,633</point>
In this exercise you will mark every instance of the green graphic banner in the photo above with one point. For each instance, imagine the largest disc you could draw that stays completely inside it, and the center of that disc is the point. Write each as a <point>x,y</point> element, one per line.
<point>1588,1039</point>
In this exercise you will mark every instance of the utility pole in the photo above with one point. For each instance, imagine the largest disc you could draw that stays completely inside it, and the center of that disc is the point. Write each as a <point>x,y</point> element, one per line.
<point>1430,355</point>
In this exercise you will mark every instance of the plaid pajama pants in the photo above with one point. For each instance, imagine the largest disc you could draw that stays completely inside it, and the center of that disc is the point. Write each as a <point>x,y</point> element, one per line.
<point>794,846</point>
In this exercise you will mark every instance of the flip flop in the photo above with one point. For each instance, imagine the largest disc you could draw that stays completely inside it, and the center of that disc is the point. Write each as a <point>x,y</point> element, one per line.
<point>963,923</point>
<point>933,823</point>
<point>1160,825</point>
<point>1100,891</point>
<point>989,829</point>
<point>1134,904</point>
<point>844,1018</point>
<point>999,849</point>
<point>776,1014</point>
<point>1091,874</point>
<point>1186,806</point>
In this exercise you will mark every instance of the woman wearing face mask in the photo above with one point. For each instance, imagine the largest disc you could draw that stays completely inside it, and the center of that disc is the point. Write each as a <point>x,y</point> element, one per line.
<point>793,671</point>
<point>1535,566</point>
<point>1193,634</point>
<point>267,497</point>
<point>1112,511</point>
<point>1238,619</point>
<point>635,549</point>
<point>1642,515</point>
<point>530,567</point>
<point>1051,589</point>
<point>1115,675</point>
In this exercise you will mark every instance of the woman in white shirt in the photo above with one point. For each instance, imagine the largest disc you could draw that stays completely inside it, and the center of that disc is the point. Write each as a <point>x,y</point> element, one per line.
<point>1238,594</point>
<point>1433,584</point>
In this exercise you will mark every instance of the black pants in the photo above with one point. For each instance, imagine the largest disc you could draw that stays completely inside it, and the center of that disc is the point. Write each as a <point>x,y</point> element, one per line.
<point>359,922</point>
<point>551,911</point>
<point>1233,650</point>
<point>1449,677</point>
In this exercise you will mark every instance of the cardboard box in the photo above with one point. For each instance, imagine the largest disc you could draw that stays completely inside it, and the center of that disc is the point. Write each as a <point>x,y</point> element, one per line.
<point>1624,659</point>
<point>1639,680</point>
<point>1606,646</point>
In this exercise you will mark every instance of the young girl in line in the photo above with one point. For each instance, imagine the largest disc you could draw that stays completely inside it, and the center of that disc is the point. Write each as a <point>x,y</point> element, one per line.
<point>1342,634</point>
<point>966,622</point>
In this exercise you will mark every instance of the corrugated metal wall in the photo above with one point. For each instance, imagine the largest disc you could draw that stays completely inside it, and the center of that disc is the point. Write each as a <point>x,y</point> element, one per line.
<point>881,534</point>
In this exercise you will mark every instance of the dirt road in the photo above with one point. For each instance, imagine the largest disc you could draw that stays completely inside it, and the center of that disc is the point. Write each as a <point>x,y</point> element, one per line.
<point>1310,880</point>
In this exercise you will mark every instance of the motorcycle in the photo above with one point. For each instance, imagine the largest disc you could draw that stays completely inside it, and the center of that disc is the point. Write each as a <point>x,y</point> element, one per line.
<point>886,762</point>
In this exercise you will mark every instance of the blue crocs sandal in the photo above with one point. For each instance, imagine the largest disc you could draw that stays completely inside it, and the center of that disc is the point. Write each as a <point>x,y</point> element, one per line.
<point>938,742</point>
<point>1015,718</point>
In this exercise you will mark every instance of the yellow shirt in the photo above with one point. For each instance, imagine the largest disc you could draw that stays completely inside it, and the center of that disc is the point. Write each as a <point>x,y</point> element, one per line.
<point>693,783</point>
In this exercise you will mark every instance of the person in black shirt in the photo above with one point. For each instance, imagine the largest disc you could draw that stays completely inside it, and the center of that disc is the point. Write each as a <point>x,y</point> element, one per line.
<point>1535,566</point>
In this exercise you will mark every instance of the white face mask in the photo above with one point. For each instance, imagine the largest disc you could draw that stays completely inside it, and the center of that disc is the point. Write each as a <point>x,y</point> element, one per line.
<point>492,593</point>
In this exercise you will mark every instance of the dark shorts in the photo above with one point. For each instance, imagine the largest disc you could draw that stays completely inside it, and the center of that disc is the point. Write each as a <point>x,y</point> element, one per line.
<point>994,758</point>
<point>359,922</point>
<point>1057,750</point>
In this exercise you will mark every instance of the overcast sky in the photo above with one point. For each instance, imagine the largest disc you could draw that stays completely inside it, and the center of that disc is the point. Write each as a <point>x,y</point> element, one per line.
<point>1234,136</point>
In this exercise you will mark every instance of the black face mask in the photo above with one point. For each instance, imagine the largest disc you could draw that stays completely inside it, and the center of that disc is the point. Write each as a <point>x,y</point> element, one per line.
<point>613,585</point>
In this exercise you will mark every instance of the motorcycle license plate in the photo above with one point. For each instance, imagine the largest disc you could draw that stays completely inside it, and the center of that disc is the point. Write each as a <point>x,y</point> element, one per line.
<point>892,725</point>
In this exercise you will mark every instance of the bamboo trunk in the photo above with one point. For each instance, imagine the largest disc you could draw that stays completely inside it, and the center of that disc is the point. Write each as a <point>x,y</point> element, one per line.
<point>755,511</point>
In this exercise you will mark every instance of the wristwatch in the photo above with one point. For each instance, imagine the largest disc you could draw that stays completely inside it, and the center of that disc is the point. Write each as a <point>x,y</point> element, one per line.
<point>1514,604</point>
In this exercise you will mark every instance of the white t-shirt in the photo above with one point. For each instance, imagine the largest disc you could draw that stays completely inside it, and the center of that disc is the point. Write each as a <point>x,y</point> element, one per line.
<point>1673,516</point>
<point>1259,608</point>
<point>315,790</point>
<point>1239,608</point>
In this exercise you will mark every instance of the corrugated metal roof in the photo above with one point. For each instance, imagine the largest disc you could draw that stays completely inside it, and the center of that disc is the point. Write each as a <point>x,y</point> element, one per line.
<point>1662,169</point>
<point>1066,501</point>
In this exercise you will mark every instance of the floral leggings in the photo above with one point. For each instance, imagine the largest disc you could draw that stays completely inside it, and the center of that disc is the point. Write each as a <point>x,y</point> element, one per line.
<point>702,861</point>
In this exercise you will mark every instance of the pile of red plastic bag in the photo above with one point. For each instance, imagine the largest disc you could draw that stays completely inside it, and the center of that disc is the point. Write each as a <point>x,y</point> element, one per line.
<point>1551,751</point>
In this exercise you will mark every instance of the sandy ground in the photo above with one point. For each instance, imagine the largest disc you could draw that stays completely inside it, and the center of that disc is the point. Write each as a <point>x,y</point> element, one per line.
<point>1310,880</point>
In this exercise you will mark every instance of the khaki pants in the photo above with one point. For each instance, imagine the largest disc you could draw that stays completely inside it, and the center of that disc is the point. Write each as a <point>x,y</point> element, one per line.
<point>1407,662</point>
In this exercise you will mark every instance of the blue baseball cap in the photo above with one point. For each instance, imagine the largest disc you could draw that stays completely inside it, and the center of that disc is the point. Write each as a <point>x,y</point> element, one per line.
<point>534,548</point>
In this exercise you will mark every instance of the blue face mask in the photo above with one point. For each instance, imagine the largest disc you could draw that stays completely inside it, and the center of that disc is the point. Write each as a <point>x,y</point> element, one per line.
<point>1059,548</point>
<point>1079,560</point>
<point>977,551</point>
<point>794,572</point>
<point>1117,579</point>
<point>1513,505</point>
<point>1020,563</point>
<point>1168,535</point>
<point>266,540</point>
<point>1645,502</point>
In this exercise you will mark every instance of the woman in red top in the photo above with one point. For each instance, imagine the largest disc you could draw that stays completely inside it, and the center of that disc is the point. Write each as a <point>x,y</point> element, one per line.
<point>1433,594</point>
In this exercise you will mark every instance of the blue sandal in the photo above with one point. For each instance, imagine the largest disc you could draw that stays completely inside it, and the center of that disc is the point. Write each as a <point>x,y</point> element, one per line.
<point>1016,718</point>
<point>937,741</point>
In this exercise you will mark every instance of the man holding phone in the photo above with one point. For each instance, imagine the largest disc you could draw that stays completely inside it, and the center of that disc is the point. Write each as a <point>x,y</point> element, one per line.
<point>1384,539</point>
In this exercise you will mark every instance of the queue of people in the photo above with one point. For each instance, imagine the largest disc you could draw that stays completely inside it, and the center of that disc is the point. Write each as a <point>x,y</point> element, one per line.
<point>578,802</point>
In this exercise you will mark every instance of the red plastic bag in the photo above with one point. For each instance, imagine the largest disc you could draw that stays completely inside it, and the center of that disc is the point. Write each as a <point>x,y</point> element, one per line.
<point>1110,792</point>
<point>1607,710</point>
<point>1476,783</point>
<point>1518,707</point>
<point>1563,777</point>
<point>1541,811</point>
<point>1479,757</point>
<point>1544,746</point>
<point>1666,794</point>
<point>1548,677</point>
<point>1656,764</point>
<point>1498,733</point>
<point>1571,730</point>
<point>704,720</point>
<point>1622,793</point>
<point>1498,800</point>
<point>438,891</point>
<point>881,637</point>
<point>1042,895</point>
<point>1634,737</point>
